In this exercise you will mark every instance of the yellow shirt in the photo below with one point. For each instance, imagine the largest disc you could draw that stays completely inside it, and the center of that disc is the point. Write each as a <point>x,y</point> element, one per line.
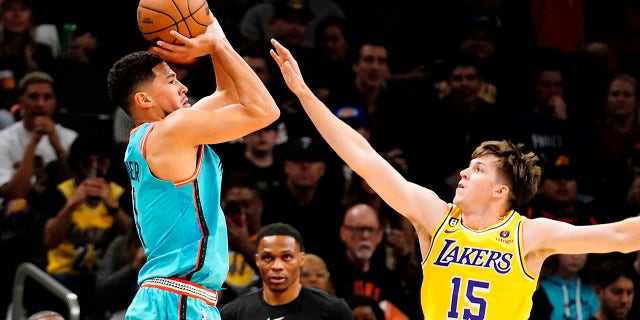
<point>90,232</point>
<point>240,273</point>
<point>477,274</point>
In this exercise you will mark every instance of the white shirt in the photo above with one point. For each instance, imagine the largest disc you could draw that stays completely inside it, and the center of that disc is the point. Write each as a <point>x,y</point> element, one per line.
<point>13,143</point>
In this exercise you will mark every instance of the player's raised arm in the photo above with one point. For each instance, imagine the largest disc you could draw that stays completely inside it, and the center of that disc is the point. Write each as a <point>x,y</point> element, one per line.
<point>240,104</point>
<point>422,206</point>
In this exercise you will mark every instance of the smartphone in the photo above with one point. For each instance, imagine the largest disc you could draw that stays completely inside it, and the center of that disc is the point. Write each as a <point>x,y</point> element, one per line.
<point>233,210</point>
<point>93,173</point>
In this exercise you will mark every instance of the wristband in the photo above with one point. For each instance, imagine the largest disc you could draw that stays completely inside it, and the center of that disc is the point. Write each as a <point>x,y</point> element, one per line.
<point>217,29</point>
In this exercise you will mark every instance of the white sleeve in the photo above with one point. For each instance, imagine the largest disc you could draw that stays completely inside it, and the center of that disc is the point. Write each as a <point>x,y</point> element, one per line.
<point>7,162</point>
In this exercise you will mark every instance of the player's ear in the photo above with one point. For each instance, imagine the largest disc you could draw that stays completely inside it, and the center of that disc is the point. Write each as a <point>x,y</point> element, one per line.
<point>142,99</point>
<point>501,190</point>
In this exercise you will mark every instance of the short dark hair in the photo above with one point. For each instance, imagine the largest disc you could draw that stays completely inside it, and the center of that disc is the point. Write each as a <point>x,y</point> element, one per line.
<point>374,40</point>
<point>463,59</point>
<point>128,73</point>
<point>281,229</point>
<point>87,144</point>
<point>340,22</point>
<point>239,179</point>
<point>549,59</point>
<point>611,270</point>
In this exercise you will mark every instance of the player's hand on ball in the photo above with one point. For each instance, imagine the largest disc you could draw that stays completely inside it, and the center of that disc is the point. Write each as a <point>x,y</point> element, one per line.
<point>198,46</point>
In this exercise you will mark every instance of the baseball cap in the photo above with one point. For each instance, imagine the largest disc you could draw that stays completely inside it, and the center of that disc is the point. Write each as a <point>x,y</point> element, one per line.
<point>305,149</point>
<point>293,9</point>
<point>559,166</point>
<point>353,115</point>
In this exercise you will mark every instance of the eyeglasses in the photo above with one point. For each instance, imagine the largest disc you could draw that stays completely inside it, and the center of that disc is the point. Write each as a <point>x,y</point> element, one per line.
<point>318,273</point>
<point>362,229</point>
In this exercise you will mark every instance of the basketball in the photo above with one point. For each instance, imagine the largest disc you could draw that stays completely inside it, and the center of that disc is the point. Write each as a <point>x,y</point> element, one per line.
<point>156,18</point>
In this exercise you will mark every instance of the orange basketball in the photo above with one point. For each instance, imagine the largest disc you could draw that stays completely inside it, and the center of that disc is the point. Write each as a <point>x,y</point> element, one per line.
<point>157,17</point>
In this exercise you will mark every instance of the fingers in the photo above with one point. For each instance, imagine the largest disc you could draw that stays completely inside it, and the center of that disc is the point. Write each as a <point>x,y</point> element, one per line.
<point>179,36</point>
<point>280,49</point>
<point>275,43</point>
<point>275,56</point>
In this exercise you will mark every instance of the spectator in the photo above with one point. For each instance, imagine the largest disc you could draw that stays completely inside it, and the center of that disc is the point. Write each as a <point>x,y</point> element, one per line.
<point>242,205</point>
<point>546,127</point>
<point>354,271</point>
<point>388,107</point>
<point>86,215</point>
<point>259,155</point>
<point>288,23</point>
<point>501,68</point>
<point>569,296</point>
<point>279,256</point>
<point>23,151</point>
<point>314,273</point>
<point>614,284</point>
<point>255,23</point>
<point>610,144</point>
<point>558,197</point>
<point>332,46</point>
<point>80,74</point>
<point>307,200</point>
<point>512,21</point>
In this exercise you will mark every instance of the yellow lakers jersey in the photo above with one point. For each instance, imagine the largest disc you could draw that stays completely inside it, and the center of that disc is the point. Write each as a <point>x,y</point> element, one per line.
<point>240,273</point>
<point>477,274</point>
<point>88,236</point>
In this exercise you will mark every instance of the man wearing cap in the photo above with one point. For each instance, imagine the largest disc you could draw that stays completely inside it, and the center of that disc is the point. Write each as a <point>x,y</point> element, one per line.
<point>356,117</point>
<point>558,196</point>
<point>304,201</point>
<point>255,23</point>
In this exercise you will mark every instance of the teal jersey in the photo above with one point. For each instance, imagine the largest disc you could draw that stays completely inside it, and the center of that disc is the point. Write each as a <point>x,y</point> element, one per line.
<point>180,223</point>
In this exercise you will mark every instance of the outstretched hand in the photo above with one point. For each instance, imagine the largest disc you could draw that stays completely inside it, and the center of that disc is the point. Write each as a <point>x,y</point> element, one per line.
<point>288,67</point>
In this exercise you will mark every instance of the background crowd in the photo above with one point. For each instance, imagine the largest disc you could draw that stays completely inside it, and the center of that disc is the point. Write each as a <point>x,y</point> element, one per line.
<point>424,81</point>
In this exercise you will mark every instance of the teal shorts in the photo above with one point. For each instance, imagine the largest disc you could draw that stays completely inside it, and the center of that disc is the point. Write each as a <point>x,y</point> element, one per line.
<point>172,298</point>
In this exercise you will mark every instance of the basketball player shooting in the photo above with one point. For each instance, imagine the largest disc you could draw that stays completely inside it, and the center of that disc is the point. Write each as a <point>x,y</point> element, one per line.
<point>481,258</point>
<point>175,176</point>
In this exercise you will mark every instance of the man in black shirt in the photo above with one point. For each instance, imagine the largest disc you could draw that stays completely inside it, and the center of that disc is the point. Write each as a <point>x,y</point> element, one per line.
<point>279,256</point>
